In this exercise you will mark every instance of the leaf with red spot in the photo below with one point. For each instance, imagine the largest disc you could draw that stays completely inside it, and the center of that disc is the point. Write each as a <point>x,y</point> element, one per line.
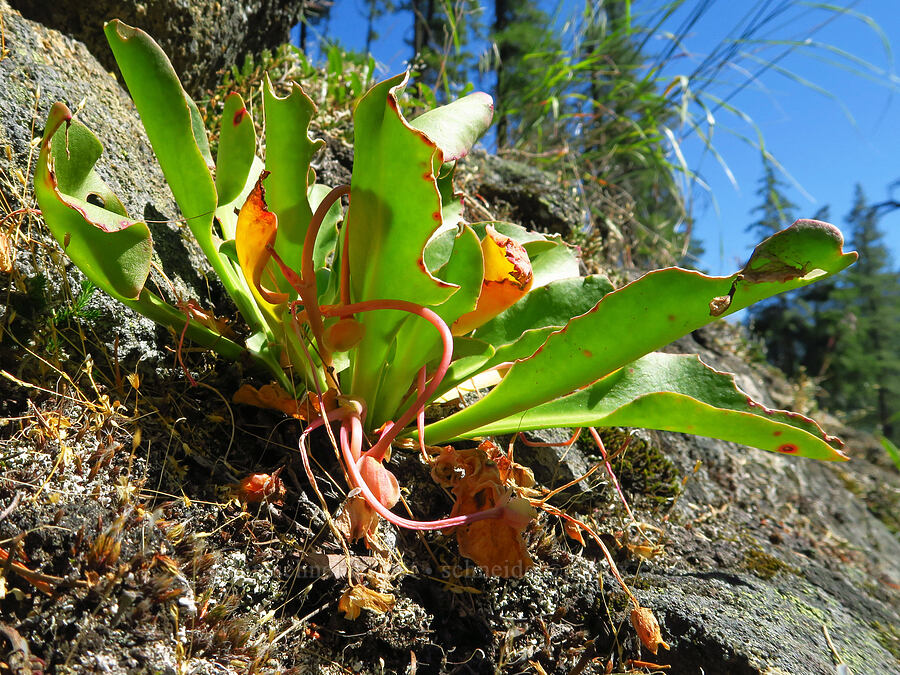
<point>172,122</point>
<point>636,319</point>
<point>679,392</point>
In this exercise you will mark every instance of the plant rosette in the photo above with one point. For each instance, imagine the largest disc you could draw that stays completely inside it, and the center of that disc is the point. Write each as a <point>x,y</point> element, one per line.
<point>364,318</point>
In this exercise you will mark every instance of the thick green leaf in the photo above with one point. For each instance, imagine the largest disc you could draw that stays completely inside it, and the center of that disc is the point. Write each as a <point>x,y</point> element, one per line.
<point>551,305</point>
<point>112,250</point>
<point>289,151</point>
<point>455,127</point>
<point>639,318</point>
<point>74,156</point>
<point>469,357</point>
<point>171,121</point>
<point>440,248</point>
<point>227,214</point>
<point>176,132</point>
<point>552,263</point>
<point>519,331</point>
<point>418,342</point>
<point>677,392</point>
<point>327,237</point>
<point>394,209</point>
<point>237,149</point>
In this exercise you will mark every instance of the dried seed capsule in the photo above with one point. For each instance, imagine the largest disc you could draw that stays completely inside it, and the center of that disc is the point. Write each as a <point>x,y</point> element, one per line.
<point>647,628</point>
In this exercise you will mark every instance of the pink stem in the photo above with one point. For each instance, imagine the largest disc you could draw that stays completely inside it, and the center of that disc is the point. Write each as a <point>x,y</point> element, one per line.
<point>609,471</point>
<point>334,415</point>
<point>537,444</point>
<point>420,417</point>
<point>439,373</point>
<point>307,269</point>
<point>347,445</point>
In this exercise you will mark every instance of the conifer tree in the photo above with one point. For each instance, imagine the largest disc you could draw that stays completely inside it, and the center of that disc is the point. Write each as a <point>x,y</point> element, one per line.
<point>523,43</point>
<point>442,32</point>
<point>776,210</point>
<point>864,376</point>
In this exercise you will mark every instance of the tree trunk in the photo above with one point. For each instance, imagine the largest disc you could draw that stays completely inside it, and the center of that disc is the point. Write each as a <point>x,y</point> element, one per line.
<point>501,21</point>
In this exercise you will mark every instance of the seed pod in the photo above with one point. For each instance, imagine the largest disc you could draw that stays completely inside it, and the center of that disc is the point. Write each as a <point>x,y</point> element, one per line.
<point>647,628</point>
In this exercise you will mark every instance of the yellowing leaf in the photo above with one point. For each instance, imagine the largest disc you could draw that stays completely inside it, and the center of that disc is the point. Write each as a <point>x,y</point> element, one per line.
<point>358,598</point>
<point>256,229</point>
<point>507,277</point>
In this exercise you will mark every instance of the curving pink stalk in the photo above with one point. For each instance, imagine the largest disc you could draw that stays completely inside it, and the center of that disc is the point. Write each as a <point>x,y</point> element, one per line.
<point>351,432</point>
<point>440,371</point>
<point>609,471</point>
<point>420,416</point>
<point>353,441</point>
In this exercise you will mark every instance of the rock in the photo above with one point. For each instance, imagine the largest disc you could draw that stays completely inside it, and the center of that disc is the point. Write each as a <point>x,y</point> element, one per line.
<point>201,37</point>
<point>43,66</point>
<point>764,550</point>
<point>521,194</point>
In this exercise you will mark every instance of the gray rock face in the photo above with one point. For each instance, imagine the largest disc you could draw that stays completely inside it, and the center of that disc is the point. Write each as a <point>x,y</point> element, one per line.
<point>43,66</point>
<point>522,194</point>
<point>201,37</point>
<point>764,550</point>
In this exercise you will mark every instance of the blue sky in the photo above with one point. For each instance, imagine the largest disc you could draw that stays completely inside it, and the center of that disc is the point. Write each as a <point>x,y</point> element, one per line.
<point>826,143</point>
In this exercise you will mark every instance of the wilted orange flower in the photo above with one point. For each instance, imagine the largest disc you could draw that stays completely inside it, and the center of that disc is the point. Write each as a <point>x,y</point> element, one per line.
<point>360,597</point>
<point>261,487</point>
<point>496,545</point>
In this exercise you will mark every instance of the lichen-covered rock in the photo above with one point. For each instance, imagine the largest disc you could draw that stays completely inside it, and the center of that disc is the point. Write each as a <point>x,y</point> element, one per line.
<point>40,67</point>
<point>200,37</point>
<point>763,550</point>
<point>522,194</point>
